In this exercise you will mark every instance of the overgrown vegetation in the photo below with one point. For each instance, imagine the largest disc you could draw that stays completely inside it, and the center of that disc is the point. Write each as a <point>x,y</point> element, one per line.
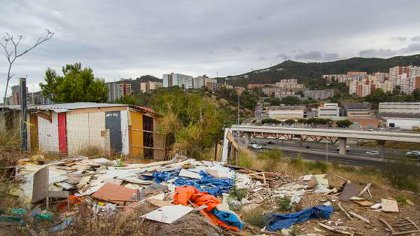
<point>403,174</point>
<point>271,159</point>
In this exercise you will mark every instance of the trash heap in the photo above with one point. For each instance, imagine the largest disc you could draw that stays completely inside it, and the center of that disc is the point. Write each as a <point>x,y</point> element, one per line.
<point>218,192</point>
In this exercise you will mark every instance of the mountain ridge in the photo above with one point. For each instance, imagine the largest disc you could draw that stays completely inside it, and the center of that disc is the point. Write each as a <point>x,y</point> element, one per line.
<point>310,72</point>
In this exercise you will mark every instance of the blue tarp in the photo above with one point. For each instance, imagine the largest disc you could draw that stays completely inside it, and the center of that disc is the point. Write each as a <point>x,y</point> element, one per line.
<point>283,221</point>
<point>228,218</point>
<point>161,176</point>
<point>207,183</point>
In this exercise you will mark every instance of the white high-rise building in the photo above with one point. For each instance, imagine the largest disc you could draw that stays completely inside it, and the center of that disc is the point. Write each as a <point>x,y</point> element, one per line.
<point>180,80</point>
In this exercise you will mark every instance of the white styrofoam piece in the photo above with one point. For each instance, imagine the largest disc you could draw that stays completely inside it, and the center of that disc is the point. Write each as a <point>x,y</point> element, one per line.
<point>189,174</point>
<point>168,214</point>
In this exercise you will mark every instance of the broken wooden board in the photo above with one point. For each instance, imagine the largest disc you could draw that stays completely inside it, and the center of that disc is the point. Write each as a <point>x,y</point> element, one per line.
<point>364,203</point>
<point>389,205</point>
<point>115,193</point>
<point>350,190</point>
<point>168,214</point>
<point>159,203</point>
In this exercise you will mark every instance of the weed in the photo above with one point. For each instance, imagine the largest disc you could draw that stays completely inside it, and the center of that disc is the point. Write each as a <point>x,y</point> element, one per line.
<point>283,204</point>
<point>238,194</point>
<point>402,200</point>
<point>91,151</point>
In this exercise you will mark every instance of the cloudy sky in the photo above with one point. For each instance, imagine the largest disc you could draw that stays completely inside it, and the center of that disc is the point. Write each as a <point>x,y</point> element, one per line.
<point>132,38</point>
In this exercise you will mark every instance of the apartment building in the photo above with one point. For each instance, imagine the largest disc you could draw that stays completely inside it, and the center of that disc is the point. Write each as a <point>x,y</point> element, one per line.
<point>318,94</point>
<point>407,78</point>
<point>118,89</point>
<point>148,86</point>
<point>176,79</point>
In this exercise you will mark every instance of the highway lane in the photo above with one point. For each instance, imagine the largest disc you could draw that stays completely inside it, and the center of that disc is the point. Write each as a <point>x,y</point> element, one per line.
<point>354,148</point>
<point>319,155</point>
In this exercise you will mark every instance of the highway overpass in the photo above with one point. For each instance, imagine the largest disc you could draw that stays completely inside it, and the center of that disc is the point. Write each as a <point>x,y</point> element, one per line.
<point>314,134</point>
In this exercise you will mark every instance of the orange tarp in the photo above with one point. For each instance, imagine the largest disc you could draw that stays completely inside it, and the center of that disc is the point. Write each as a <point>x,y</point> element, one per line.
<point>189,194</point>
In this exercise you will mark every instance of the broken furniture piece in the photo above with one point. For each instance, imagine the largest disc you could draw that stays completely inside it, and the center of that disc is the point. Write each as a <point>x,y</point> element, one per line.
<point>402,226</point>
<point>41,190</point>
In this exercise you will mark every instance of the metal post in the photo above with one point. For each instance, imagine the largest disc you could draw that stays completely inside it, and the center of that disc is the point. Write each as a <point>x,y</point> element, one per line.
<point>23,126</point>
<point>382,150</point>
<point>326,157</point>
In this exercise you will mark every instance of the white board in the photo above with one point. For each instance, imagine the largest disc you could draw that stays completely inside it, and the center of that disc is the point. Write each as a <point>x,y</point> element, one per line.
<point>168,214</point>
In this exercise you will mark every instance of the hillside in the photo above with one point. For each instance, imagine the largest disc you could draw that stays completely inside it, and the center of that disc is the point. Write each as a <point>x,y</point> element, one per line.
<point>309,73</point>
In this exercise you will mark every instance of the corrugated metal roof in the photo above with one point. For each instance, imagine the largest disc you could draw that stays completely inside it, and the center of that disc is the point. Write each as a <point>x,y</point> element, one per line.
<point>76,105</point>
<point>63,107</point>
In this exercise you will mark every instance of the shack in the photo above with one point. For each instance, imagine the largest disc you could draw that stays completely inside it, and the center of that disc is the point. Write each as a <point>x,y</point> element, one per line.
<point>106,128</point>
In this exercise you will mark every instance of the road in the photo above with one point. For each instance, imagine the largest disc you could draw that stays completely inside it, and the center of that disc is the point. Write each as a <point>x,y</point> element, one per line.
<point>318,152</point>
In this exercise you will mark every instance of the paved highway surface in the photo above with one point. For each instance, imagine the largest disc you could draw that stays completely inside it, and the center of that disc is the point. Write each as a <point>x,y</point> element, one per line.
<point>318,152</point>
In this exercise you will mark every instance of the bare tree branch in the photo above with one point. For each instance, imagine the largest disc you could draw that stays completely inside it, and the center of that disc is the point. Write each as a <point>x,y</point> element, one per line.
<point>11,52</point>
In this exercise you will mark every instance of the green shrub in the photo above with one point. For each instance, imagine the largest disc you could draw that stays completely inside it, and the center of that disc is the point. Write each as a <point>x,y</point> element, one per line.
<point>283,204</point>
<point>238,194</point>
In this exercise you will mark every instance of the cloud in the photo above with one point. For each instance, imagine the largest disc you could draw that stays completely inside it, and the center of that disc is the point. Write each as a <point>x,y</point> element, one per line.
<point>416,38</point>
<point>317,56</point>
<point>410,49</point>
<point>311,56</point>
<point>377,53</point>
<point>399,38</point>
<point>133,38</point>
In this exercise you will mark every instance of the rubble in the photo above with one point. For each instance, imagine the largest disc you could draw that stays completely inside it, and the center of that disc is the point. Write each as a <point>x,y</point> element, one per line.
<point>217,193</point>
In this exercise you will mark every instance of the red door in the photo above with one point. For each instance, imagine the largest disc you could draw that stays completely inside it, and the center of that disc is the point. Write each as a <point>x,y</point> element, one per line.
<point>62,133</point>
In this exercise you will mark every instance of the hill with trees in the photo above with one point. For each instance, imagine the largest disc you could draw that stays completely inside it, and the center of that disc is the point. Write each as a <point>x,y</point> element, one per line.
<point>311,73</point>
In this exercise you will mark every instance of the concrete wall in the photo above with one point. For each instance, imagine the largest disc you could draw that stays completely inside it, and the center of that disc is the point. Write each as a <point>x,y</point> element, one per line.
<point>403,123</point>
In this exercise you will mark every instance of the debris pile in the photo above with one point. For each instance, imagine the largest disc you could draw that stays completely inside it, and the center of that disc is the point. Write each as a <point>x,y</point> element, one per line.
<point>174,190</point>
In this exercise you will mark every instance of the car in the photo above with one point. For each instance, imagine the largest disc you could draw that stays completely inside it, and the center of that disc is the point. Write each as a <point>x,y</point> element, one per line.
<point>370,129</point>
<point>372,153</point>
<point>256,146</point>
<point>270,142</point>
<point>347,148</point>
<point>413,154</point>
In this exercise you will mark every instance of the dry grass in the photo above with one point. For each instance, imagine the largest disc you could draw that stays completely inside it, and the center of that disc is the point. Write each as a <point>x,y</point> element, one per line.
<point>131,223</point>
<point>91,151</point>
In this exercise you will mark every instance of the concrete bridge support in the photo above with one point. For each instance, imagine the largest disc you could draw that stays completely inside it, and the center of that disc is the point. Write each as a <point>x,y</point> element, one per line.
<point>342,143</point>
<point>247,139</point>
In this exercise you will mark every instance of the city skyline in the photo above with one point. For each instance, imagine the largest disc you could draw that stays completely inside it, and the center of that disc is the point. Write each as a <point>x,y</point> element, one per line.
<point>132,39</point>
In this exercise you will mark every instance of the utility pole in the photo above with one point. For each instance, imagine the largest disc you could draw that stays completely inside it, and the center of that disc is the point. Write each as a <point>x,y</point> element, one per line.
<point>238,108</point>
<point>23,126</point>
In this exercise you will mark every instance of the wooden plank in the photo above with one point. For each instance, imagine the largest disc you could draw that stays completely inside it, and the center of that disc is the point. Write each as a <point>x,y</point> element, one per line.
<point>359,217</point>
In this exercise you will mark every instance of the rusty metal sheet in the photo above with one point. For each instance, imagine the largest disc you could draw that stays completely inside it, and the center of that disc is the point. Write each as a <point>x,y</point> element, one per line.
<point>115,193</point>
